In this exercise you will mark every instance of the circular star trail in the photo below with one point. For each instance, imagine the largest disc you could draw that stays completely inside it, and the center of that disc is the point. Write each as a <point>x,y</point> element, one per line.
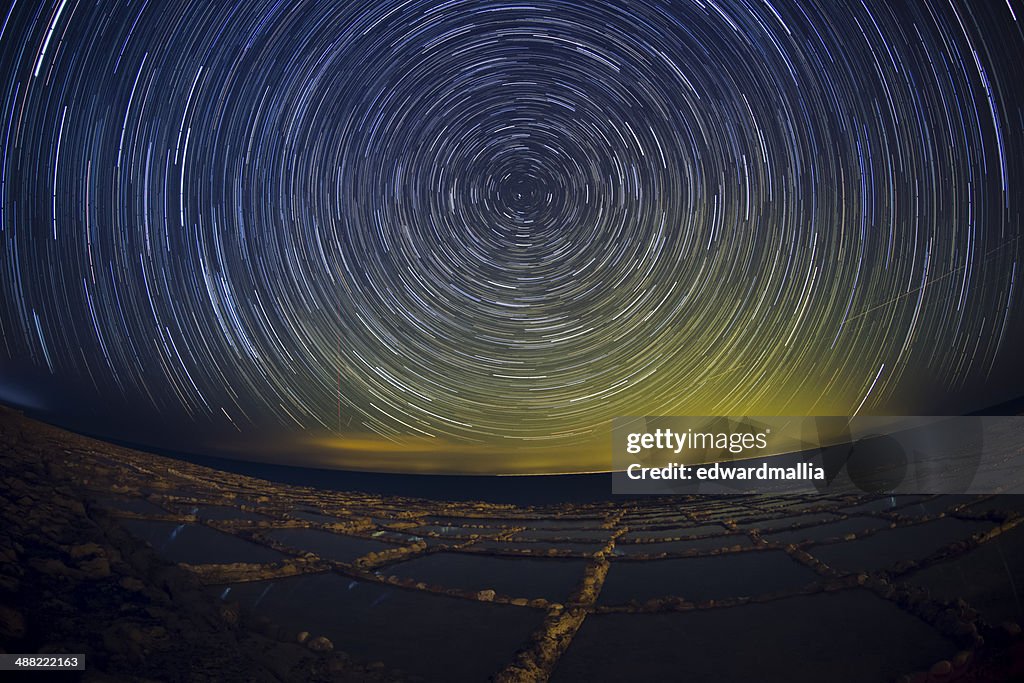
<point>498,225</point>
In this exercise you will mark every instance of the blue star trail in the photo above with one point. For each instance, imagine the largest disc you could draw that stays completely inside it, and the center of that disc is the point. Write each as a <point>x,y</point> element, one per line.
<point>494,226</point>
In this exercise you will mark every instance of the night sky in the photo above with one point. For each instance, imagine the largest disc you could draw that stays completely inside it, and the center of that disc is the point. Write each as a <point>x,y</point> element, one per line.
<point>463,236</point>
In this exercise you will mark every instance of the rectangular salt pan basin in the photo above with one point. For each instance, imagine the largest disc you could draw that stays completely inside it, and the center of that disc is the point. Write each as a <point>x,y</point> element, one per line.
<point>518,578</point>
<point>197,544</point>
<point>703,578</point>
<point>436,637</point>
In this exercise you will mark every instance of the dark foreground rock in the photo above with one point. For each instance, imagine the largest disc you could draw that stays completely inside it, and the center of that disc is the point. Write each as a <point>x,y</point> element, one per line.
<point>73,581</point>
